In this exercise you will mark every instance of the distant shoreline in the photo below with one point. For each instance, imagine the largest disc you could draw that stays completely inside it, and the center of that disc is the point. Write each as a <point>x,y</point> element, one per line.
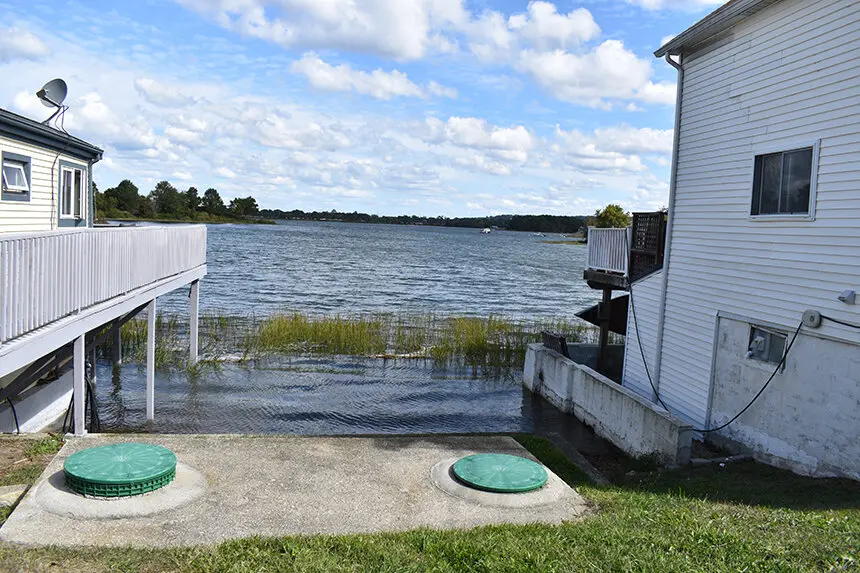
<point>219,221</point>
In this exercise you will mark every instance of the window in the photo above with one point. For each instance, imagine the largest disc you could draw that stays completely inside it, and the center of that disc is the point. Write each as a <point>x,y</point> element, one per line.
<point>15,177</point>
<point>72,190</point>
<point>766,345</point>
<point>783,183</point>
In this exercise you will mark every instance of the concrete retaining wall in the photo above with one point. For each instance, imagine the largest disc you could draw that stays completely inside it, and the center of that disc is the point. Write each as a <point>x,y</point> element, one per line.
<point>807,420</point>
<point>632,423</point>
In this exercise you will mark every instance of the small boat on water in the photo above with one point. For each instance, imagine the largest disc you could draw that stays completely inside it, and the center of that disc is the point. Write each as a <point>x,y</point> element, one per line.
<point>486,231</point>
<point>539,234</point>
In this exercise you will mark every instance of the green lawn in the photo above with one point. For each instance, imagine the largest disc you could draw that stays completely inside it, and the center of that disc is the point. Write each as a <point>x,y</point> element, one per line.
<point>742,517</point>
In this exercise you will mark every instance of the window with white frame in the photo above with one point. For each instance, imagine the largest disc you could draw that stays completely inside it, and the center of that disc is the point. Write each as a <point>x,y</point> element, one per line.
<point>16,175</point>
<point>784,183</point>
<point>72,192</point>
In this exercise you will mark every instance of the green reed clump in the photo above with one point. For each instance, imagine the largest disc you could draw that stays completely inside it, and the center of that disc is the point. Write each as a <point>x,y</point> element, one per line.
<point>297,332</point>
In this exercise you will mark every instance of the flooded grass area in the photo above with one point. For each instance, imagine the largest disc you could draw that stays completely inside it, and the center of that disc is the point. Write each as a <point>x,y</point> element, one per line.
<point>499,341</point>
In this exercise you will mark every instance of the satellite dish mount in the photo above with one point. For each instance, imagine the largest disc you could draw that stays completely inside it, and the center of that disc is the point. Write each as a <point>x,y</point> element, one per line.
<point>53,94</point>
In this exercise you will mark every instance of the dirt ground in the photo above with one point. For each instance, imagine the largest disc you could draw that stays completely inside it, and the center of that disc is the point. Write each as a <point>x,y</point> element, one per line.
<point>22,458</point>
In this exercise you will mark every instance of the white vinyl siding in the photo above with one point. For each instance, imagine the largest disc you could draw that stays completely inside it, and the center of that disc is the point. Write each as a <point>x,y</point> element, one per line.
<point>646,301</point>
<point>789,73</point>
<point>40,213</point>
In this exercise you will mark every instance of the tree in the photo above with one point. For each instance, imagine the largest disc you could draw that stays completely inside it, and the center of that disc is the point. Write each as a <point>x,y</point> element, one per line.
<point>192,200</point>
<point>166,200</point>
<point>611,216</point>
<point>244,206</point>
<point>212,202</point>
<point>125,196</point>
<point>145,209</point>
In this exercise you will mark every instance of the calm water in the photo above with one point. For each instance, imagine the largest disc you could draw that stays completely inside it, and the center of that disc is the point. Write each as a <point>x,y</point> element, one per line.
<point>334,397</point>
<point>341,267</point>
<point>335,267</point>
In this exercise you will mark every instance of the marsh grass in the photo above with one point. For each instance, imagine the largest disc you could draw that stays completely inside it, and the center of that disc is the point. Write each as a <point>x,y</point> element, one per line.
<point>494,341</point>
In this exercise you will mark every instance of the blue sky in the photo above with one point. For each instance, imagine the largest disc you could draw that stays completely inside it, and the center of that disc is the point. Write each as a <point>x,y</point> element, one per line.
<point>431,107</point>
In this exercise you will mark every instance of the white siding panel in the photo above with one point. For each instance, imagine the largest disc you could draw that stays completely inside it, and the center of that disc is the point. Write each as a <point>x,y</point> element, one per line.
<point>645,301</point>
<point>40,212</point>
<point>790,74</point>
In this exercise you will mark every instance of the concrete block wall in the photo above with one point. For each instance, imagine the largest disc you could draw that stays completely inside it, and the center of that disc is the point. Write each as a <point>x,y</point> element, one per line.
<point>808,418</point>
<point>632,423</point>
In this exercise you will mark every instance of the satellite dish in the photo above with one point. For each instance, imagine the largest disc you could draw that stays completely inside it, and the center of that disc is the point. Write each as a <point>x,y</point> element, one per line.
<point>53,93</point>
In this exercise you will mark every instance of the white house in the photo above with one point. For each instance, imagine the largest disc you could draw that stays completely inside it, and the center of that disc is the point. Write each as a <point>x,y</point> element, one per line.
<point>63,283</point>
<point>763,225</point>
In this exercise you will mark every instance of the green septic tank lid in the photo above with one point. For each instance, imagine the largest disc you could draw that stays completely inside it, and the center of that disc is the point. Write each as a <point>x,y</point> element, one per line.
<point>120,469</point>
<point>500,473</point>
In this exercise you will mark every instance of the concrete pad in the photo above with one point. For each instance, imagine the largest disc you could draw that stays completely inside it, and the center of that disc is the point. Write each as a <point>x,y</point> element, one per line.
<point>239,486</point>
<point>10,494</point>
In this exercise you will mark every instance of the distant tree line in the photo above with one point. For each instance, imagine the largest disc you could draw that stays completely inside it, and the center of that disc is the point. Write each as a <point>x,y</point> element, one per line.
<point>166,202</point>
<point>533,223</point>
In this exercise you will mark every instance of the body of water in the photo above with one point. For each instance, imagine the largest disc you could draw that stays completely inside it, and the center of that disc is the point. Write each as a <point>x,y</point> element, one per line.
<point>334,396</point>
<point>344,267</point>
<point>353,268</point>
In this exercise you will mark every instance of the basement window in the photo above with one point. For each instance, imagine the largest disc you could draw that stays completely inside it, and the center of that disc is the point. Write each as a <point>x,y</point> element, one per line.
<point>16,177</point>
<point>766,345</point>
<point>784,183</point>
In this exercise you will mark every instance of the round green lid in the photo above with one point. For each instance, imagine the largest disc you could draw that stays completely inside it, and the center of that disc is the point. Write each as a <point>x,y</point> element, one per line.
<point>500,473</point>
<point>120,469</point>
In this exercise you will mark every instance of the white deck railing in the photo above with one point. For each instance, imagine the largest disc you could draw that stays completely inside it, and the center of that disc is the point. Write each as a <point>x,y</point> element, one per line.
<point>608,250</point>
<point>47,276</point>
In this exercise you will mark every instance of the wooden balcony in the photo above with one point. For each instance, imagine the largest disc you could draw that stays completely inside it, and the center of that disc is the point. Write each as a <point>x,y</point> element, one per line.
<point>55,285</point>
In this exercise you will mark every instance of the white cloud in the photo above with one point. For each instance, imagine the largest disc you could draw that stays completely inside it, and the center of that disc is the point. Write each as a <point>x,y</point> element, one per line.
<point>687,5</point>
<point>182,175</point>
<point>489,37</point>
<point>481,163</point>
<point>504,143</point>
<point>441,91</point>
<point>224,172</point>
<point>378,83</point>
<point>628,139</point>
<point>546,29</point>
<point>161,94</point>
<point>400,29</point>
<point>92,113</point>
<point>663,93</point>
<point>609,72</point>
<point>603,151</point>
<point>19,44</point>
<point>182,135</point>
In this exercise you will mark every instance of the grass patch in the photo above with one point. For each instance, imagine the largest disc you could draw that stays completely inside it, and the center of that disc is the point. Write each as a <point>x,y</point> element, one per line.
<point>45,446</point>
<point>743,517</point>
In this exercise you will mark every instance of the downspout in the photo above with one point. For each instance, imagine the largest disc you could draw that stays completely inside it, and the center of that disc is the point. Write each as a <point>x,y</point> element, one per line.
<point>91,219</point>
<point>673,181</point>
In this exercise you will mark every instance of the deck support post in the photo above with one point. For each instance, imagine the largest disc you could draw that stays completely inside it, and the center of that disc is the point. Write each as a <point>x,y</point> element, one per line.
<point>604,315</point>
<point>92,353</point>
<point>150,360</point>
<point>78,387</point>
<point>116,347</point>
<point>194,303</point>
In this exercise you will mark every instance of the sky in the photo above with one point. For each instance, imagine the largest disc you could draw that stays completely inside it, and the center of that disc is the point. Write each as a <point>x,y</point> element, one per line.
<point>427,107</point>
